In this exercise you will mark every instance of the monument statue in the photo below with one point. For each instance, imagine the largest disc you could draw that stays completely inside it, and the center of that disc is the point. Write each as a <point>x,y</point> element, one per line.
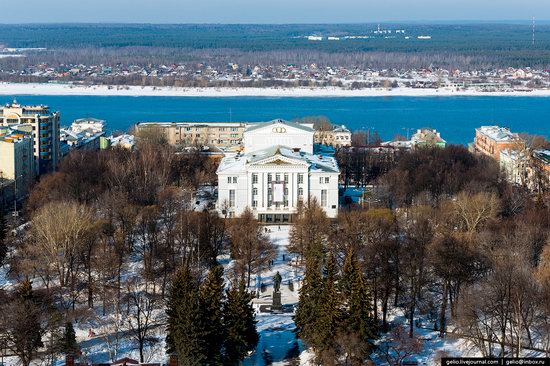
<point>277,282</point>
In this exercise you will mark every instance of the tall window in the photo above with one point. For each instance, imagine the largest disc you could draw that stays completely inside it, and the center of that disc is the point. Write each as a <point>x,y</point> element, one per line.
<point>234,179</point>
<point>231,198</point>
<point>228,179</point>
<point>254,203</point>
<point>255,191</point>
<point>286,178</point>
<point>269,178</point>
<point>254,178</point>
<point>300,191</point>
<point>300,178</point>
<point>321,180</point>
<point>323,198</point>
<point>327,180</point>
<point>277,177</point>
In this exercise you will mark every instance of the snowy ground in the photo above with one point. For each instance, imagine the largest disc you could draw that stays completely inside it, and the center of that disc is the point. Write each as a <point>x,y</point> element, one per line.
<point>104,90</point>
<point>277,339</point>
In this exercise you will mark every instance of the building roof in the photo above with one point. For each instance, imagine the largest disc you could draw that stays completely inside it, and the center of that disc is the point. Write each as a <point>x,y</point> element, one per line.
<point>427,135</point>
<point>316,163</point>
<point>497,133</point>
<point>190,124</point>
<point>341,128</point>
<point>543,155</point>
<point>258,125</point>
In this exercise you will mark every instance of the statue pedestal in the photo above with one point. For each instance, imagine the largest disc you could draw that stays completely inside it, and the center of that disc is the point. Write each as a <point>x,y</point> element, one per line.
<point>276,301</point>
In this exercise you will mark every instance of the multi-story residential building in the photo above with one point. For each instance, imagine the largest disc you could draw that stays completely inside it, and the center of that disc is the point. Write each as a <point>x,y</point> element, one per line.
<point>217,134</point>
<point>275,173</point>
<point>88,126</point>
<point>229,135</point>
<point>539,172</point>
<point>83,134</point>
<point>491,140</point>
<point>43,124</point>
<point>339,136</point>
<point>17,160</point>
<point>427,137</point>
<point>514,164</point>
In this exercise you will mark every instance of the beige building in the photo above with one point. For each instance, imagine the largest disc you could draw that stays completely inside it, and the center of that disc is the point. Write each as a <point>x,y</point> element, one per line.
<point>491,140</point>
<point>340,136</point>
<point>229,135</point>
<point>17,160</point>
<point>44,127</point>
<point>217,134</point>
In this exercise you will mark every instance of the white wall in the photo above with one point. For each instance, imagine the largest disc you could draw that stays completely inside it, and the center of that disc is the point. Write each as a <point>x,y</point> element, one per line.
<point>265,137</point>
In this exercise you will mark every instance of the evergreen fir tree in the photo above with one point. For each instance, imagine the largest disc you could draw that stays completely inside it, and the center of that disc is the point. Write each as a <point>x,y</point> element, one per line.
<point>185,330</point>
<point>68,341</point>
<point>310,293</point>
<point>211,299</point>
<point>359,314</point>
<point>240,325</point>
<point>26,331</point>
<point>348,272</point>
<point>329,313</point>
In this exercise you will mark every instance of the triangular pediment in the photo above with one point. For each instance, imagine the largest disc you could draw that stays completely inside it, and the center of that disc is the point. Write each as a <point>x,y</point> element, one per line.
<point>280,160</point>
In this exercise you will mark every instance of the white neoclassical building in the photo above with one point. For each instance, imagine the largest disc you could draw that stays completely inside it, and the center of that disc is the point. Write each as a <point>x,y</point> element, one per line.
<point>277,170</point>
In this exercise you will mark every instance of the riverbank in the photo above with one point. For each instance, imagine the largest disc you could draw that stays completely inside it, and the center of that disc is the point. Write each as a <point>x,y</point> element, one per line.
<point>14,89</point>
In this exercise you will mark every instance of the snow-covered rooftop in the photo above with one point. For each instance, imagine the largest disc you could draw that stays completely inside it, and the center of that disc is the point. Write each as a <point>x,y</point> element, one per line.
<point>316,163</point>
<point>497,133</point>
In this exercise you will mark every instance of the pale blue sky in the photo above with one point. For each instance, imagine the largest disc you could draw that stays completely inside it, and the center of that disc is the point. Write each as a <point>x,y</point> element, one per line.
<point>272,11</point>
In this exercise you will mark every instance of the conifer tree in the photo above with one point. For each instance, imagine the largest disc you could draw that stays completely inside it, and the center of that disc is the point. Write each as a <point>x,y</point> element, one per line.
<point>310,293</point>
<point>359,307</point>
<point>329,313</point>
<point>68,341</point>
<point>240,325</point>
<point>21,325</point>
<point>185,330</point>
<point>211,298</point>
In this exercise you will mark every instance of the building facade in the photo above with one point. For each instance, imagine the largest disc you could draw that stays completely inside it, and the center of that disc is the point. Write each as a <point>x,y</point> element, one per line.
<point>43,124</point>
<point>217,134</point>
<point>83,134</point>
<point>491,140</point>
<point>275,173</point>
<point>427,137</point>
<point>17,160</point>
<point>339,136</point>
<point>230,135</point>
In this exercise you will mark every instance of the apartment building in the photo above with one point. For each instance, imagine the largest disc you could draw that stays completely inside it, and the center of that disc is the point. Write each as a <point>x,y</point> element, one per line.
<point>339,136</point>
<point>427,137</point>
<point>43,125</point>
<point>218,134</point>
<point>491,140</point>
<point>17,160</point>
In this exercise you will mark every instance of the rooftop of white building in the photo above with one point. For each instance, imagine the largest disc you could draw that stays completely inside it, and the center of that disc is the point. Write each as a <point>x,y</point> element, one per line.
<point>317,163</point>
<point>301,126</point>
<point>497,133</point>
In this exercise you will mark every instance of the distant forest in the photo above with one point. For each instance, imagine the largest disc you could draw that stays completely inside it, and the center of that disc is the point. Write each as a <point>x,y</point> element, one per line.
<point>464,46</point>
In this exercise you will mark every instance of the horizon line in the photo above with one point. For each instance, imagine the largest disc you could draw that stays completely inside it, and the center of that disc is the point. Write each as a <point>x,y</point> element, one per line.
<point>370,22</point>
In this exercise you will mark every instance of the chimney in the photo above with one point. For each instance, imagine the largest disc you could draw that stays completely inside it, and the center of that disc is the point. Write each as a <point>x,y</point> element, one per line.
<point>173,361</point>
<point>69,360</point>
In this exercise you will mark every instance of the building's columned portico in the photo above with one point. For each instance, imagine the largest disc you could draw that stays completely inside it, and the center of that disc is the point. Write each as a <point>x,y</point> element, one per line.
<point>273,180</point>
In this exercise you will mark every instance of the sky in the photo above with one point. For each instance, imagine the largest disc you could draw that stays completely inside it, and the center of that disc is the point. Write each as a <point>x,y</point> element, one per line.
<point>272,11</point>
